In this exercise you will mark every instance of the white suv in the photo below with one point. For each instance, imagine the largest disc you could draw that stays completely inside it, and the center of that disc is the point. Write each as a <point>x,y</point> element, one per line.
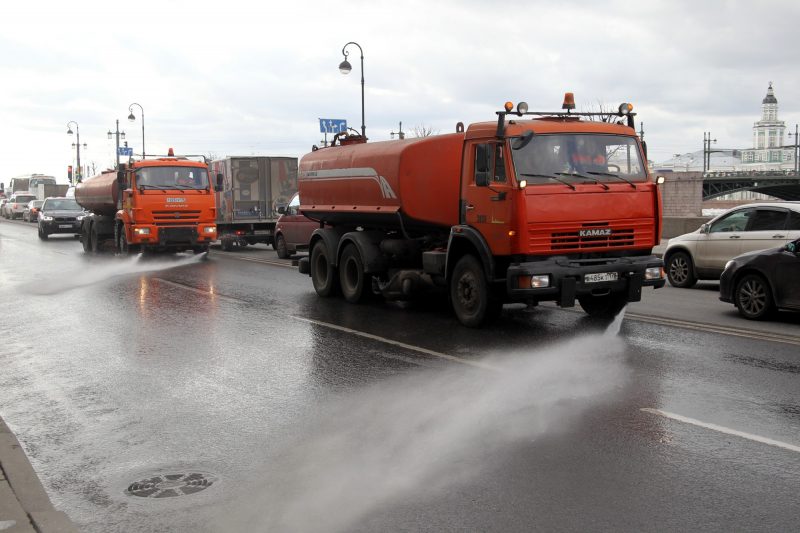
<point>16,204</point>
<point>703,253</point>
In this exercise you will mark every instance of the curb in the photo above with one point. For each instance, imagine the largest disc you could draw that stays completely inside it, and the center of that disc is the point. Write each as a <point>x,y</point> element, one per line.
<point>24,504</point>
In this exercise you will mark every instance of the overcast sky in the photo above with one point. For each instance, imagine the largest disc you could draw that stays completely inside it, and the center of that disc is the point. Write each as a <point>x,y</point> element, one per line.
<point>242,78</point>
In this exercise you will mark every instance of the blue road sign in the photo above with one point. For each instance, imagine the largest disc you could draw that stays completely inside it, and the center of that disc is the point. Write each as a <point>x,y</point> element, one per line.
<point>125,150</point>
<point>332,125</point>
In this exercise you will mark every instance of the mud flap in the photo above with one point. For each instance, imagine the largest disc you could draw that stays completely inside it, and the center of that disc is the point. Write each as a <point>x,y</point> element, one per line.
<point>635,287</point>
<point>567,292</point>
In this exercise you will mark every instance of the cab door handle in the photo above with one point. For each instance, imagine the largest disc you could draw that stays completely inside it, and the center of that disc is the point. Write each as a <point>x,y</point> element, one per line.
<point>735,237</point>
<point>779,236</point>
<point>469,207</point>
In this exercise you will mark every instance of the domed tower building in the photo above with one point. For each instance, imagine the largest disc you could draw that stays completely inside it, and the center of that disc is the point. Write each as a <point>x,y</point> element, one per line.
<point>768,152</point>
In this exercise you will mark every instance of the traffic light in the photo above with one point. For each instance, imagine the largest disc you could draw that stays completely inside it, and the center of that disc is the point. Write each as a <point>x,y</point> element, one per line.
<point>69,173</point>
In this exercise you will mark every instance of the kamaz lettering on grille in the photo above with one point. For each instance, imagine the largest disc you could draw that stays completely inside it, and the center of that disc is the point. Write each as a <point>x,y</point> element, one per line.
<point>596,232</point>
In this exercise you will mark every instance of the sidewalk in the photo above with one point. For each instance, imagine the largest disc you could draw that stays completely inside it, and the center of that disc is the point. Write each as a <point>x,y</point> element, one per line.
<point>24,504</point>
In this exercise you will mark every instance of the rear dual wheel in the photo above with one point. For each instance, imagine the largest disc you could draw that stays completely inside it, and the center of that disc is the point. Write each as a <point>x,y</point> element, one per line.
<point>323,274</point>
<point>352,278</point>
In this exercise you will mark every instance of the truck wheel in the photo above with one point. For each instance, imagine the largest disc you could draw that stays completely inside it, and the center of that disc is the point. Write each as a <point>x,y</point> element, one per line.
<point>680,270</point>
<point>469,293</point>
<point>85,238</point>
<point>323,273</point>
<point>94,238</point>
<point>122,244</point>
<point>280,247</point>
<point>753,297</point>
<point>226,244</point>
<point>605,306</point>
<point>351,275</point>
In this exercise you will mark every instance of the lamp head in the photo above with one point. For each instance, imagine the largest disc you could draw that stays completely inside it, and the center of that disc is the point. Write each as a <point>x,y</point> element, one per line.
<point>69,130</point>
<point>109,134</point>
<point>132,117</point>
<point>345,67</point>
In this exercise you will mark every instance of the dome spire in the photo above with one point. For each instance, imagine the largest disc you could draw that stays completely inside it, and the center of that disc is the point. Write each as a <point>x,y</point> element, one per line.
<point>770,98</point>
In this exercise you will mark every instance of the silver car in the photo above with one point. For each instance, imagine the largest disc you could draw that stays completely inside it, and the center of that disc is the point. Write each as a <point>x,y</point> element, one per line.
<point>703,253</point>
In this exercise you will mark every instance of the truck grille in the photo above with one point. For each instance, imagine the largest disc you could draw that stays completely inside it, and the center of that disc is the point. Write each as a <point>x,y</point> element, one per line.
<point>175,218</point>
<point>590,237</point>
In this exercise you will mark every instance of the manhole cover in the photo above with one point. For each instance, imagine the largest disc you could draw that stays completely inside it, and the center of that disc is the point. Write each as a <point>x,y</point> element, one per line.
<point>171,485</point>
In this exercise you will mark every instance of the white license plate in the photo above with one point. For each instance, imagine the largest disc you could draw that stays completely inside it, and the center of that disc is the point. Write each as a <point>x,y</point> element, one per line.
<point>262,232</point>
<point>600,276</point>
<point>65,226</point>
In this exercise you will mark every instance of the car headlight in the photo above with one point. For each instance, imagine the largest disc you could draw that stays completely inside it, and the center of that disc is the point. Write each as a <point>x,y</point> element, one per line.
<point>47,218</point>
<point>79,218</point>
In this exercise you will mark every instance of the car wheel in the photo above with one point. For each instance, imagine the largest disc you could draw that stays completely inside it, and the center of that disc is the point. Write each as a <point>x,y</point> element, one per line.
<point>352,279</point>
<point>680,270</point>
<point>42,234</point>
<point>280,247</point>
<point>605,306</point>
<point>753,297</point>
<point>323,273</point>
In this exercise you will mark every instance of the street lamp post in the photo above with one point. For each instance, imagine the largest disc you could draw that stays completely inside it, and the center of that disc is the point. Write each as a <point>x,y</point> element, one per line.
<point>132,118</point>
<point>119,135</point>
<point>707,140</point>
<point>77,146</point>
<point>400,134</point>
<point>345,68</point>
<point>796,152</point>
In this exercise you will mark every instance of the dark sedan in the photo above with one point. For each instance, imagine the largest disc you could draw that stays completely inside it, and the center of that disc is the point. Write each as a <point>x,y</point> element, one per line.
<point>758,283</point>
<point>60,215</point>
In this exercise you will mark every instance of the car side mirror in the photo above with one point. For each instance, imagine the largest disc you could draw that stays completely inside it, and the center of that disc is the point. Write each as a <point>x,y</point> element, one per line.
<point>281,210</point>
<point>791,247</point>
<point>218,186</point>
<point>704,228</point>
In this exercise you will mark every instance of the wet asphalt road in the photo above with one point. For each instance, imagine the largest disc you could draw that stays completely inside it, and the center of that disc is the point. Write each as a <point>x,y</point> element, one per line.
<point>274,410</point>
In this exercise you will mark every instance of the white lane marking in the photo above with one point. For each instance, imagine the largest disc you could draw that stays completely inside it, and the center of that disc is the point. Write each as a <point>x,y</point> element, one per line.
<point>722,429</point>
<point>403,345</point>
<point>7,524</point>
<point>199,291</point>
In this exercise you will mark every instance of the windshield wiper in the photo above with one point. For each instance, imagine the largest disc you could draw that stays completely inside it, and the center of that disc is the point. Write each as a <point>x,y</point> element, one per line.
<point>595,180</point>
<point>629,182</point>
<point>548,176</point>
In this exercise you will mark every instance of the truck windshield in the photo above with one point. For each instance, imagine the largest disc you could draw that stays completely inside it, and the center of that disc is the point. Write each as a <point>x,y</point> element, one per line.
<point>578,158</point>
<point>172,178</point>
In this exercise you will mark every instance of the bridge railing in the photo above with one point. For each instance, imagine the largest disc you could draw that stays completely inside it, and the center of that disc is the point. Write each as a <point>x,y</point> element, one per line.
<point>750,173</point>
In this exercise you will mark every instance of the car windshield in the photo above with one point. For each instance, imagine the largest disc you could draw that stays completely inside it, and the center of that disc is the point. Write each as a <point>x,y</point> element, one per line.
<point>578,158</point>
<point>61,204</point>
<point>172,178</point>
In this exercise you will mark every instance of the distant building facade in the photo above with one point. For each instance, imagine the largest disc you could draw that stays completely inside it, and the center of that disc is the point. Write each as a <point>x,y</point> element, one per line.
<point>769,151</point>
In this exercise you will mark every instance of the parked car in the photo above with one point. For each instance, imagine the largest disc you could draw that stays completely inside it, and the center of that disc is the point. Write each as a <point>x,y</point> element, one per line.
<point>703,253</point>
<point>293,230</point>
<point>60,215</point>
<point>16,204</point>
<point>758,283</point>
<point>31,212</point>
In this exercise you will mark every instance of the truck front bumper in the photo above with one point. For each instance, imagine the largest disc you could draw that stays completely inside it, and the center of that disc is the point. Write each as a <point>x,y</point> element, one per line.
<point>562,280</point>
<point>166,236</point>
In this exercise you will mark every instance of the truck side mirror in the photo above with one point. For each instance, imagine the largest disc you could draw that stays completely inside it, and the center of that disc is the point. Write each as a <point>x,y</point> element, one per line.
<point>218,186</point>
<point>644,149</point>
<point>121,179</point>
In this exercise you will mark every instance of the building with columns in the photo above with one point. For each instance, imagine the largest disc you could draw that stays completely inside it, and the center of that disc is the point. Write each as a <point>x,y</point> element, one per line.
<point>769,151</point>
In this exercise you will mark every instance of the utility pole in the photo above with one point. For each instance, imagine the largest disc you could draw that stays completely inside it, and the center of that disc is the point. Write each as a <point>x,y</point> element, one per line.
<point>707,140</point>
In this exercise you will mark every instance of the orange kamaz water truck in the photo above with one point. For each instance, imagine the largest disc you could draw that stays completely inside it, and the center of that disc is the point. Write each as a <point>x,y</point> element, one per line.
<point>537,206</point>
<point>159,204</point>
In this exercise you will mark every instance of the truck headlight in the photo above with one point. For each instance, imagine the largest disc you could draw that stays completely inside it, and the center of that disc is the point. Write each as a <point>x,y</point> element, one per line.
<point>539,281</point>
<point>654,273</point>
<point>210,229</point>
<point>141,231</point>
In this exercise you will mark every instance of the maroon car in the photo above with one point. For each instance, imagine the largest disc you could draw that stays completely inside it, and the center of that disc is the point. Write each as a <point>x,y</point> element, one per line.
<point>293,230</point>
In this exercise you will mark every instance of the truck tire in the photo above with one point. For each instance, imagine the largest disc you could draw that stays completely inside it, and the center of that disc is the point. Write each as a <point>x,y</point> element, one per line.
<point>680,270</point>
<point>123,246</point>
<point>323,273</point>
<point>85,237</point>
<point>470,295</point>
<point>94,240</point>
<point>227,245</point>
<point>605,306</point>
<point>280,247</point>
<point>352,279</point>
